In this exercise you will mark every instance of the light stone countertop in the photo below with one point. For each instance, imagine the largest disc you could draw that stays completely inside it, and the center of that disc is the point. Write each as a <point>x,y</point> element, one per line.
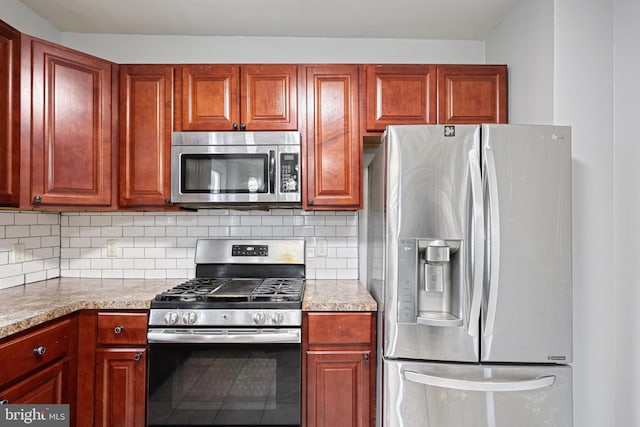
<point>22,307</point>
<point>337,295</point>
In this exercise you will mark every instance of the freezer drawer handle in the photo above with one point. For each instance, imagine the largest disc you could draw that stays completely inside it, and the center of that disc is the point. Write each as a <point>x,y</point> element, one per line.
<point>479,385</point>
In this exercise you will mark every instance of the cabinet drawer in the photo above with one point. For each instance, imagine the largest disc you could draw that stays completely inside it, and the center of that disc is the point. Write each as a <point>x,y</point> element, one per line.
<point>340,328</point>
<point>122,328</point>
<point>33,350</point>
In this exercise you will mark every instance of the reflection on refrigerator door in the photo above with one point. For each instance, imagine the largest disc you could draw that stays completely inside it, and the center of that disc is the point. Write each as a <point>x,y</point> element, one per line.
<point>447,395</point>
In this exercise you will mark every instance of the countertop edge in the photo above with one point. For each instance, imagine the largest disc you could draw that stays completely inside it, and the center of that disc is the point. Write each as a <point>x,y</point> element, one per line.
<point>71,295</point>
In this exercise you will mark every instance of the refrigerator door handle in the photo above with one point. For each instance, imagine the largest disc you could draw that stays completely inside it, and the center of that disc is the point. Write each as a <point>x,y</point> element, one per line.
<point>493,244</point>
<point>477,242</point>
<point>480,385</point>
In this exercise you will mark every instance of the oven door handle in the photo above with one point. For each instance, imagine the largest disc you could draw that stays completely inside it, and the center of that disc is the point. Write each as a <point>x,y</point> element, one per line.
<point>222,336</point>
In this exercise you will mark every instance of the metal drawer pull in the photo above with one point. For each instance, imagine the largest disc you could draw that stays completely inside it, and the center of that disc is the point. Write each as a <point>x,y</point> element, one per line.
<point>4,402</point>
<point>39,350</point>
<point>118,329</point>
<point>137,356</point>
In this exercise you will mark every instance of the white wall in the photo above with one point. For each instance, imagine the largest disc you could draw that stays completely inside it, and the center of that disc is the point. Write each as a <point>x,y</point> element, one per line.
<point>626,203</point>
<point>584,99</point>
<point>23,19</point>
<point>524,41</point>
<point>559,53</point>
<point>182,49</point>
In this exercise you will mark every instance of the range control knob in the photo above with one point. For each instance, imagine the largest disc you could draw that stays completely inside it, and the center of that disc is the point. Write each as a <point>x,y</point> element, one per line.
<point>189,318</point>
<point>170,318</point>
<point>259,318</point>
<point>277,318</point>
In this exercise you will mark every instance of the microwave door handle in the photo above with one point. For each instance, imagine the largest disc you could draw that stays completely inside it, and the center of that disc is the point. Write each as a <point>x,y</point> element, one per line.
<point>272,171</point>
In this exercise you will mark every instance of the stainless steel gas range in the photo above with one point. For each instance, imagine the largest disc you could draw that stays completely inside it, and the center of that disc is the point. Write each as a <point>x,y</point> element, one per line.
<point>224,347</point>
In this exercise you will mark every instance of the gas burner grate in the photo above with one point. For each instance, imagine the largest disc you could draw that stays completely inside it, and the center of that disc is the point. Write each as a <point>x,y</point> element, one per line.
<point>225,290</point>
<point>192,290</point>
<point>279,290</point>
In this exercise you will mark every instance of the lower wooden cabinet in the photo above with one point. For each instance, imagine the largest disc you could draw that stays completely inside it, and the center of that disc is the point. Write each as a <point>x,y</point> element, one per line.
<point>49,385</point>
<point>38,366</point>
<point>120,369</point>
<point>120,387</point>
<point>339,367</point>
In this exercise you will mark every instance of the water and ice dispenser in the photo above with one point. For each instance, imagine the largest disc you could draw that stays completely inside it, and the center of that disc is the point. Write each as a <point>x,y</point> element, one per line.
<point>429,282</point>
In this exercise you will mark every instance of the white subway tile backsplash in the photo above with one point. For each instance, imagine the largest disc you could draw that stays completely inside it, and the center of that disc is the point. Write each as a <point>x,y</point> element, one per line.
<point>162,244</point>
<point>40,234</point>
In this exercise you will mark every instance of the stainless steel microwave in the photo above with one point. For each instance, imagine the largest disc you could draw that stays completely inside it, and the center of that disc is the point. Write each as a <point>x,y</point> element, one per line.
<point>235,168</point>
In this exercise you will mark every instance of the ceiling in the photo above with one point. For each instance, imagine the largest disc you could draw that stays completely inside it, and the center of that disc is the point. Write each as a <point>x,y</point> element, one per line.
<point>407,19</point>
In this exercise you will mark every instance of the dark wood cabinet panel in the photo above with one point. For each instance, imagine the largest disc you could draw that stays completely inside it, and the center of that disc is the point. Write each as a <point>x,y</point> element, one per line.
<point>72,128</point>
<point>47,386</point>
<point>9,116</point>
<point>233,97</point>
<point>469,94</point>
<point>120,387</point>
<point>39,365</point>
<point>332,153</point>
<point>269,99</point>
<point>146,114</point>
<point>339,369</point>
<point>400,95</point>
<point>338,389</point>
<point>209,97</point>
<point>120,368</point>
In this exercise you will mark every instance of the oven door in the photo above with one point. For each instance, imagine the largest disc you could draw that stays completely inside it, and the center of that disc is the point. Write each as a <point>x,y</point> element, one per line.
<point>224,377</point>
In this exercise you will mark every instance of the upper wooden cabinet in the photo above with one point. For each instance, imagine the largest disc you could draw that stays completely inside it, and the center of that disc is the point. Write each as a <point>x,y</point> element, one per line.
<point>72,128</point>
<point>428,94</point>
<point>400,94</point>
<point>9,116</point>
<point>332,150</point>
<point>232,97</point>
<point>146,122</point>
<point>472,94</point>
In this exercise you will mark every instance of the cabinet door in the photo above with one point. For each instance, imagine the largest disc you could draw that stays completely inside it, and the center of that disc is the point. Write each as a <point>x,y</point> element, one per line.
<point>146,95</point>
<point>333,151</point>
<point>470,94</point>
<point>210,98</point>
<point>400,95</point>
<point>49,385</point>
<point>72,145</point>
<point>9,116</point>
<point>269,97</point>
<point>338,389</point>
<point>120,387</point>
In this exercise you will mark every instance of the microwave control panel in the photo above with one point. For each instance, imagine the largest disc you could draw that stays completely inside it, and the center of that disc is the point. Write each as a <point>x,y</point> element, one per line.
<point>289,173</point>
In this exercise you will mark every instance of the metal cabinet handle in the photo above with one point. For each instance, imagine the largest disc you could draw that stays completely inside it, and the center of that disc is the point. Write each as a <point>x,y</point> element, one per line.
<point>39,350</point>
<point>37,199</point>
<point>137,356</point>
<point>167,201</point>
<point>118,329</point>
<point>310,202</point>
<point>243,126</point>
<point>234,126</point>
<point>366,357</point>
<point>4,402</point>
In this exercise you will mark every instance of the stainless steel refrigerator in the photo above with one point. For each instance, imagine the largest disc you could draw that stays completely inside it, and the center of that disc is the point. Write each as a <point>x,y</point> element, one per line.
<point>469,258</point>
